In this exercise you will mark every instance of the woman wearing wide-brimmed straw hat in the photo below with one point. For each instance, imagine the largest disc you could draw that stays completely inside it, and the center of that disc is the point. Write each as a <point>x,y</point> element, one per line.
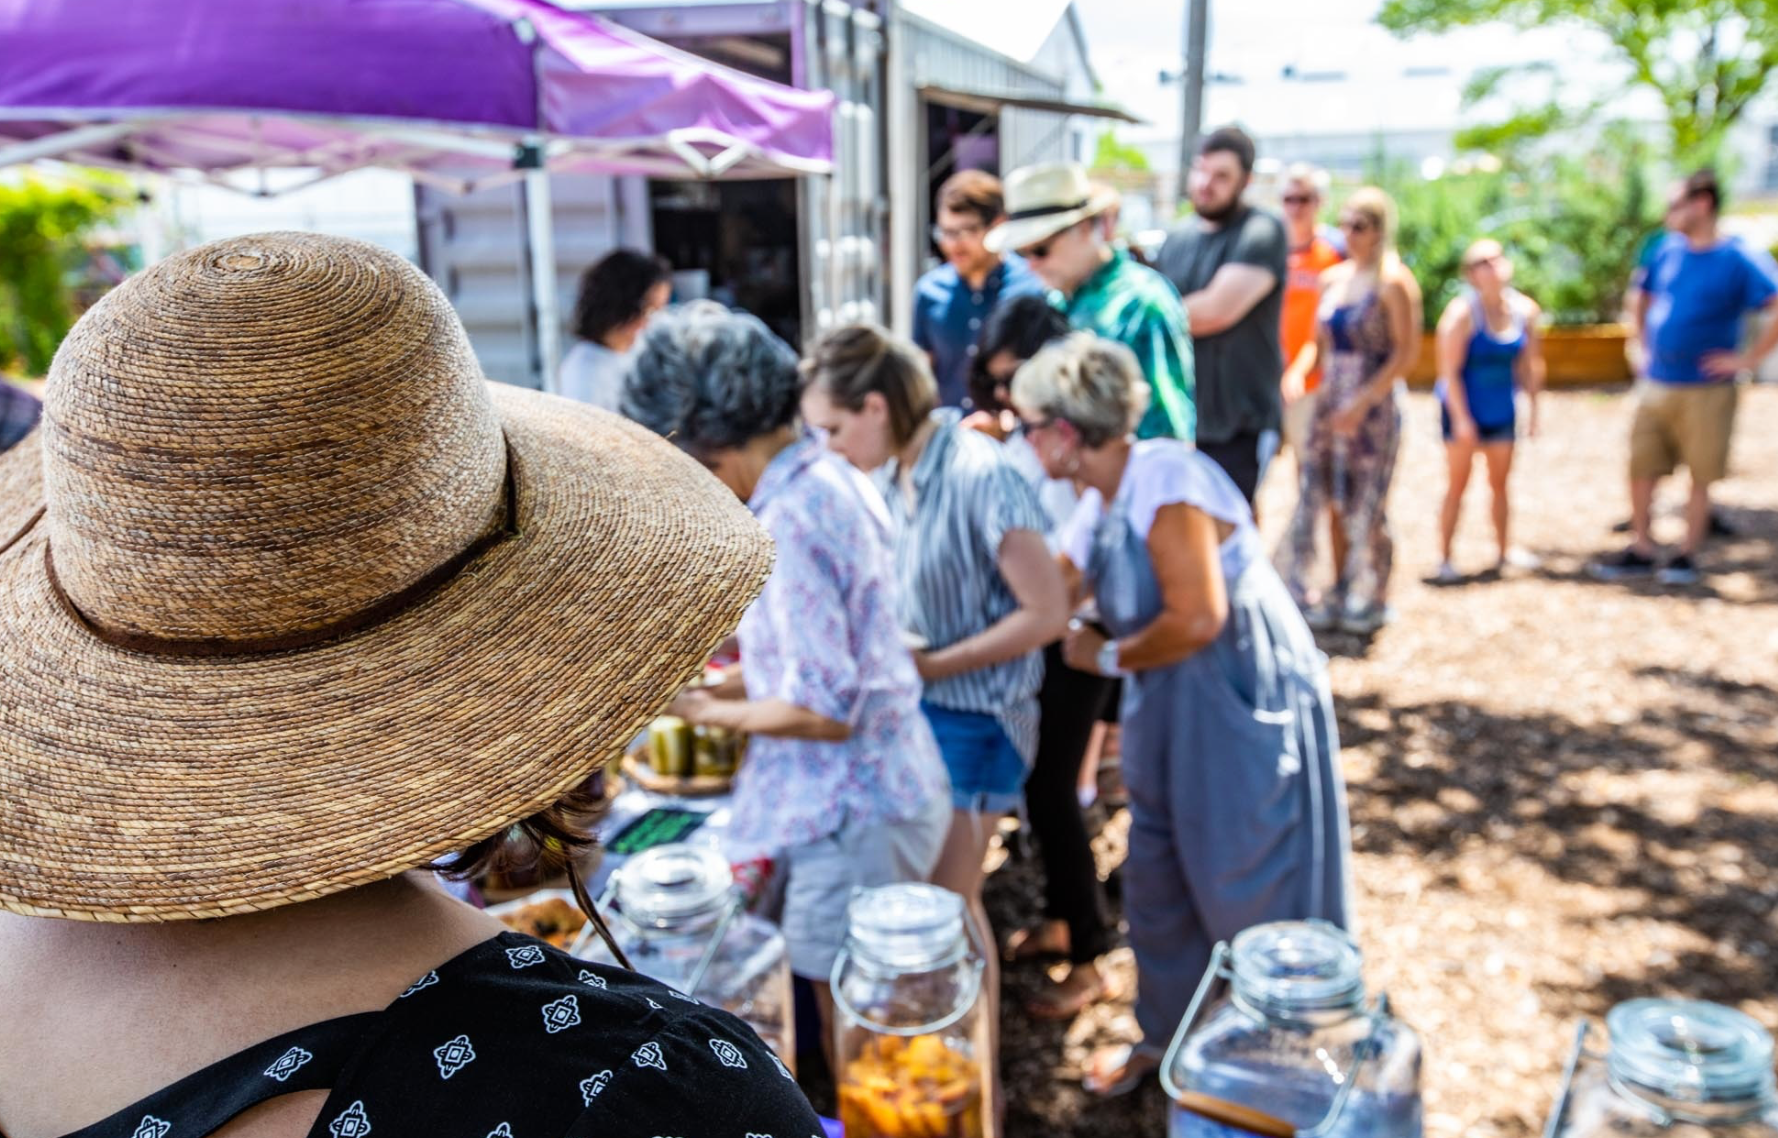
<point>292,602</point>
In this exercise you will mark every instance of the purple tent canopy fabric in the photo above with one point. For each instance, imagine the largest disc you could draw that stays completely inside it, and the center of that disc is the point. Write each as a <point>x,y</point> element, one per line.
<point>429,86</point>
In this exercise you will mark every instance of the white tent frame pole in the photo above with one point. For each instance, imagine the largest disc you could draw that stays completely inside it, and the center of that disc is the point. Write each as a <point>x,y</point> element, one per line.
<point>543,307</point>
<point>50,146</point>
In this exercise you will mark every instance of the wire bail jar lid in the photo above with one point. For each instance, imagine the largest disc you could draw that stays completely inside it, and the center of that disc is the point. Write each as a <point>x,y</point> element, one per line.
<point>1293,968</point>
<point>909,926</point>
<point>673,886</point>
<point>1690,1051</point>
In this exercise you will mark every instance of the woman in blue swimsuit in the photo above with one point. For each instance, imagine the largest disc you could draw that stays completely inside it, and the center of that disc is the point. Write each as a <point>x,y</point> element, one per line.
<point>1488,348</point>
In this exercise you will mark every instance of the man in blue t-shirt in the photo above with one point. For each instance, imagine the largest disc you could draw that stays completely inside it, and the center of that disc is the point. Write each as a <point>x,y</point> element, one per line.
<point>952,302</point>
<point>1698,288</point>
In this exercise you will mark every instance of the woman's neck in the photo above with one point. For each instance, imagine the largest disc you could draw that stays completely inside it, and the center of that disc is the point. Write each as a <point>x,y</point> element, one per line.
<point>910,451</point>
<point>1102,468</point>
<point>759,453</point>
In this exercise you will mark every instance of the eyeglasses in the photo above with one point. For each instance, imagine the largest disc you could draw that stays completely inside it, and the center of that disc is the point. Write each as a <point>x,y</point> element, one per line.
<point>1480,261</point>
<point>943,236</point>
<point>1356,224</point>
<point>1038,251</point>
<point>1028,427</point>
<point>1298,199</point>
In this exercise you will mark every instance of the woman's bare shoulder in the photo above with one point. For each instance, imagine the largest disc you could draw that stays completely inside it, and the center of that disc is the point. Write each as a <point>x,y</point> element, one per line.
<point>100,1016</point>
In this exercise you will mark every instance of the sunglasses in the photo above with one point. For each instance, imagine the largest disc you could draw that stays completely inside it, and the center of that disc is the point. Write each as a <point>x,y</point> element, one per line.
<point>1480,261</point>
<point>1298,199</point>
<point>942,236</point>
<point>1038,251</point>
<point>1356,224</point>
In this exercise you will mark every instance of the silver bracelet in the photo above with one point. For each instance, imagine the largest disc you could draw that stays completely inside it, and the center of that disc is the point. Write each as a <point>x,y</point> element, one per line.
<point>1107,660</point>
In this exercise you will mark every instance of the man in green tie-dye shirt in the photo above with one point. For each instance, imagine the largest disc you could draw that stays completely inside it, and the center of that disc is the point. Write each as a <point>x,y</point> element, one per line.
<point>1054,219</point>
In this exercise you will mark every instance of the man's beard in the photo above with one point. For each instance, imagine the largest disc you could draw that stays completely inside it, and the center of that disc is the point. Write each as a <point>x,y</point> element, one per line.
<point>1218,216</point>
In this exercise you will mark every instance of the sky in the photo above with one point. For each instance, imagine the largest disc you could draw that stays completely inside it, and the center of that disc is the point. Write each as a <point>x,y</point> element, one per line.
<point>1389,83</point>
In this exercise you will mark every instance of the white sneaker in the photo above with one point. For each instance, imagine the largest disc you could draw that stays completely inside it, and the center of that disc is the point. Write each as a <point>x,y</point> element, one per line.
<point>1447,575</point>
<point>1518,558</point>
<point>1365,621</point>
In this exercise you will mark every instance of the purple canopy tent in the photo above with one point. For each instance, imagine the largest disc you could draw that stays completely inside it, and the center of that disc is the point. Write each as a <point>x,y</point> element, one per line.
<point>460,94</point>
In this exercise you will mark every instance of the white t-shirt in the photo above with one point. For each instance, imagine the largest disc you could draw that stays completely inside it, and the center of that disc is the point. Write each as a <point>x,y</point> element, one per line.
<point>1165,472</point>
<point>593,373</point>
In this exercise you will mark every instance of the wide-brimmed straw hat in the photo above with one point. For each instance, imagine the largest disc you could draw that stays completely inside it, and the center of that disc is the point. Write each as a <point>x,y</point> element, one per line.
<point>292,599</point>
<point>1041,201</point>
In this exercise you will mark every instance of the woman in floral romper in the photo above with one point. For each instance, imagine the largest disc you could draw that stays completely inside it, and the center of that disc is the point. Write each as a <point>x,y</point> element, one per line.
<point>1368,335</point>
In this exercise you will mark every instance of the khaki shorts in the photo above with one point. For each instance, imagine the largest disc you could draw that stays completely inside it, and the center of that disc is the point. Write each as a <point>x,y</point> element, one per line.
<point>1298,417</point>
<point>1679,425</point>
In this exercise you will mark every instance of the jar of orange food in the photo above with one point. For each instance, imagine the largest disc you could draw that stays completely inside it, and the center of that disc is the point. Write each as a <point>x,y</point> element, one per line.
<point>910,1028</point>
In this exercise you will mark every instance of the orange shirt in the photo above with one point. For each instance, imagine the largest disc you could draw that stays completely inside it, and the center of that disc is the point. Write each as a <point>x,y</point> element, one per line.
<point>1302,296</point>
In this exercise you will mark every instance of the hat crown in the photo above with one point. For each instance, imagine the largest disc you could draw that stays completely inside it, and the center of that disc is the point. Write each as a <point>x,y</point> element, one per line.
<point>262,437</point>
<point>1048,186</point>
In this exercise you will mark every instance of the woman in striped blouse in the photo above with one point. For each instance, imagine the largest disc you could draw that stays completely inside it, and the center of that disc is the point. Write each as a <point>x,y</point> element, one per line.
<point>980,594</point>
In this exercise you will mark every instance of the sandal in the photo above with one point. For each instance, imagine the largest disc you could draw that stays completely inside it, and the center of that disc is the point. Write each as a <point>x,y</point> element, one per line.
<point>1132,1063</point>
<point>1056,1003</point>
<point>1028,944</point>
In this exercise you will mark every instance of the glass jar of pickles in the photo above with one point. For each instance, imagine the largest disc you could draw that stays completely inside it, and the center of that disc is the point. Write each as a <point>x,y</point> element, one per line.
<point>911,1043</point>
<point>681,921</point>
<point>1293,1048</point>
<point>1674,1068</point>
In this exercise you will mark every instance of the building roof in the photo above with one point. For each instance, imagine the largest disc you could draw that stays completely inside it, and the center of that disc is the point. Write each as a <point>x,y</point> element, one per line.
<point>1017,29</point>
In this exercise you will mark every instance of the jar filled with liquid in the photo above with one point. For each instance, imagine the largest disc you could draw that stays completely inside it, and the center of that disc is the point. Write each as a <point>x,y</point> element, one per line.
<point>1293,1045</point>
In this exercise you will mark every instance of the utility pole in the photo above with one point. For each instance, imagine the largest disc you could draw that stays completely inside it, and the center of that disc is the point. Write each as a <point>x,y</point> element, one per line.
<point>1197,20</point>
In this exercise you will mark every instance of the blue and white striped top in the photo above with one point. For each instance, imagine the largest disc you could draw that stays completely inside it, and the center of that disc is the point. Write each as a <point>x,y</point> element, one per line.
<point>967,497</point>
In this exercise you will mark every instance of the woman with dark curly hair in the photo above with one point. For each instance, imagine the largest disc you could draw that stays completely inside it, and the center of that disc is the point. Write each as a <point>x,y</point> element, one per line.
<point>843,785</point>
<point>618,295</point>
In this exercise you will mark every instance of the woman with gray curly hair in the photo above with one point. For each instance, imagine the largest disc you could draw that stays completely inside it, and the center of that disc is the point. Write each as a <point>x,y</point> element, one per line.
<point>843,787</point>
<point>1237,808</point>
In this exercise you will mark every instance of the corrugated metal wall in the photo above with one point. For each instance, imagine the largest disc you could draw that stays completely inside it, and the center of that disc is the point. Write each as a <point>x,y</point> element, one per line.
<point>940,58</point>
<point>472,245</point>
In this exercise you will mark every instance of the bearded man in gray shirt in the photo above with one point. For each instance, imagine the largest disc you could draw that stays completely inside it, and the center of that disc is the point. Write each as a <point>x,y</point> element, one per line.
<point>1228,262</point>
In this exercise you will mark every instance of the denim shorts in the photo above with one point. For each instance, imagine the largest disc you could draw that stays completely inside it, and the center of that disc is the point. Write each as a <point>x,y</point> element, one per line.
<point>987,771</point>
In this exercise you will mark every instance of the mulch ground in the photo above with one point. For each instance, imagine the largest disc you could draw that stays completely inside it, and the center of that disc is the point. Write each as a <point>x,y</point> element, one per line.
<point>1563,793</point>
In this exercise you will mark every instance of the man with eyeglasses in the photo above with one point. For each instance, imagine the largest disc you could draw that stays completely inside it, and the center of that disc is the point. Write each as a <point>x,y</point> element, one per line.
<point>1697,289</point>
<point>1312,253</point>
<point>952,301</point>
<point>1058,221</point>
<point>1228,262</point>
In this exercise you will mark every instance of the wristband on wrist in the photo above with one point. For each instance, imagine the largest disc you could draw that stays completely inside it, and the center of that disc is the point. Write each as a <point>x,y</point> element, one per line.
<point>1107,660</point>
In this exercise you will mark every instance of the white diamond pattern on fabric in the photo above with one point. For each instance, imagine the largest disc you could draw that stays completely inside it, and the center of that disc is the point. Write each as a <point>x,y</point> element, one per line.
<point>152,1127</point>
<point>782,1069</point>
<point>594,979</point>
<point>453,1056</point>
<point>524,956</point>
<point>654,1005</point>
<point>678,995</point>
<point>560,1015</point>
<point>425,981</point>
<point>353,1123</point>
<point>728,1054</point>
<point>288,1064</point>
<point>501,1131</point>
<point>649,1055</point>
<point>592,1085</point>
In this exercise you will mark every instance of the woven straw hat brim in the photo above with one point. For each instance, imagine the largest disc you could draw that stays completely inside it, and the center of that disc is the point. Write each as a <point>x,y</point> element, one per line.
<point>139,787</point>
<point>1011,236</point>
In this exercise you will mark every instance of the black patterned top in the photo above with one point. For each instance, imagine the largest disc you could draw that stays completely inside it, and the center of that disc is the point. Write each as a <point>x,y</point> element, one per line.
<point>510,1039</point>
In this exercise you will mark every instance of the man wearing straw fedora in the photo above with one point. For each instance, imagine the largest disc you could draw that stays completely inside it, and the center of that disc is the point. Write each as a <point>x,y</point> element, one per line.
<point>294,604</point>
<point>1053,220</point>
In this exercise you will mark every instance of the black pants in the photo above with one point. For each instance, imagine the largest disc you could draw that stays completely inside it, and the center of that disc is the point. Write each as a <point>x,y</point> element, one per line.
<point>1239,458</point>
<point>1069,704</point>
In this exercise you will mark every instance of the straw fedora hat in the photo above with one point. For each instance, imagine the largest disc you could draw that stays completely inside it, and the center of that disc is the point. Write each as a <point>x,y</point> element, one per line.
<point>1041,201</point>
<point>292,599</point>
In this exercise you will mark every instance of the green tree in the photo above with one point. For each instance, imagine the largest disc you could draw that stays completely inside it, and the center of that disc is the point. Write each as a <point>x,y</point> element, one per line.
<point>1111,154</point>
<point>42,248</point>
<point>1708,60</point>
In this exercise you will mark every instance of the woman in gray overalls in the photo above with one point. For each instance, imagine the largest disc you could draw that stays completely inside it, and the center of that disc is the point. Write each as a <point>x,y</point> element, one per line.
<point>1237,808</point>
